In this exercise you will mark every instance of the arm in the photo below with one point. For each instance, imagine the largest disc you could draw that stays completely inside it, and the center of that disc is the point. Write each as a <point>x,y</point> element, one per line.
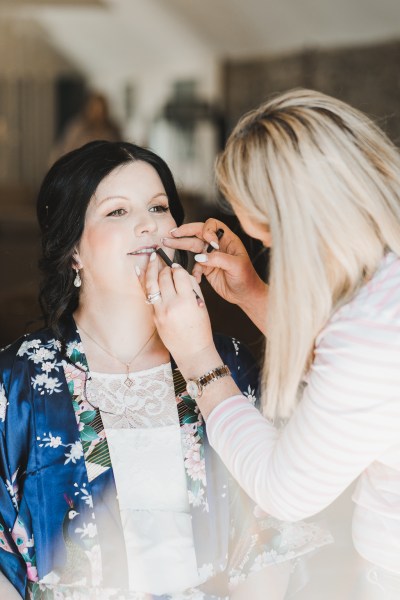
<point>13,441</point>
<point>255,305</point>
<point>349,415</point>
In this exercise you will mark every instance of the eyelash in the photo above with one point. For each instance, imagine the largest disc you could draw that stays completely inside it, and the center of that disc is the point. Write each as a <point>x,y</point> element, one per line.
<point>163,209</point>
<point>119,212</point>
<point>116,212</point>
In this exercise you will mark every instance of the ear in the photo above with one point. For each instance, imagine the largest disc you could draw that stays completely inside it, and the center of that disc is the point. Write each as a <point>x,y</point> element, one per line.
<point>76,261</point>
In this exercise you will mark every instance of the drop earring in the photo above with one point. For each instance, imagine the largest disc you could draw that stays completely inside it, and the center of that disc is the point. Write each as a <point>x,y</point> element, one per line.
<point>77,280</point>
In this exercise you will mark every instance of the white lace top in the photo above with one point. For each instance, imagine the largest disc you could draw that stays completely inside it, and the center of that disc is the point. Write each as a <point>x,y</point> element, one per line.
<point>143,435</point>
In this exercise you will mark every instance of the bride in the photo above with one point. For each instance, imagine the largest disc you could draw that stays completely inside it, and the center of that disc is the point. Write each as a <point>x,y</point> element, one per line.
<point>109,486</point>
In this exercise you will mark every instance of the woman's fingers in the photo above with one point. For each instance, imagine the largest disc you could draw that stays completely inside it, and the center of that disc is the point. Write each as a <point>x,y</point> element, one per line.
<point>179,315</point>
<point>227,262</point>
<point>141,278</point>
<point>151,282</point>
<point>197,273</point>
<point>190,244</point>
<point>161,285</point>
<point>166,284</point>
<point>184,283</point>
<point>213,231</point>
<point>191,229</point>
<point>186,237</point>
<point>196,287</point>
<point>193,236</point>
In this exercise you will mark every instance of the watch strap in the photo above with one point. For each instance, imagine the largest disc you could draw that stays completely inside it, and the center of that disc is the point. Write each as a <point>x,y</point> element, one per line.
<point>213,375</point>
<point>195,387</point>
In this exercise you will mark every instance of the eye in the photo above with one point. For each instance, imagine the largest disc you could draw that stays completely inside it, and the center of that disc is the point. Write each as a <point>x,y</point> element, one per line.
<point>118,212</point>
<point>159,209</point>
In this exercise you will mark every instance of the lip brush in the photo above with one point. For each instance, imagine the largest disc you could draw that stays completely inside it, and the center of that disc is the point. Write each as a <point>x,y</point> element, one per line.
<point>169,262</point>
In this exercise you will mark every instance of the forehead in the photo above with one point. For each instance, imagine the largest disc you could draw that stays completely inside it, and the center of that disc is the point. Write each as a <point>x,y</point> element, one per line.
<point>136,179</point>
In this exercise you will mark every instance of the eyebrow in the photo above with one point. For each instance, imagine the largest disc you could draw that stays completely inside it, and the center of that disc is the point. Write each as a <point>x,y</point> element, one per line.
<point>117,197</point>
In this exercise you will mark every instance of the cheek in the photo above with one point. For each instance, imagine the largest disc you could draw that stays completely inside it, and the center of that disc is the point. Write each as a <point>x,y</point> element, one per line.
<point>94,245</point>
<point>258,231</point>
<point>170,223</point>
<point>267,239</point>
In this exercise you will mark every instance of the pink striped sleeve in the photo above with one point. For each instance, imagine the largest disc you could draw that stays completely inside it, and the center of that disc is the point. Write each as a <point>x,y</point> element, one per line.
<point>348,417</point>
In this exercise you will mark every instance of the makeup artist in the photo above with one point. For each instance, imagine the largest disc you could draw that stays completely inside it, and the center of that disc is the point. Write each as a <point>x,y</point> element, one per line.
<point>319,183</point>
<point>108,486</point>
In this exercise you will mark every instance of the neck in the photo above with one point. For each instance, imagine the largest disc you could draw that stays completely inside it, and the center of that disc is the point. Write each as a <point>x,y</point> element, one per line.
<point>121,326</point>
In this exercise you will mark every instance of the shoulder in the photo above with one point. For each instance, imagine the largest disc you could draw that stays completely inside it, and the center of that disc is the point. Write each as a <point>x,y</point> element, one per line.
<point>359,349</point>
<point>374,312</point>
<point>23,349</point>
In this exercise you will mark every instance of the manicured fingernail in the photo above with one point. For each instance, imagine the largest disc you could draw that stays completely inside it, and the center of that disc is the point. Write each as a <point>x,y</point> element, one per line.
<point>137,269</point>
<point>153,256</point>
<point>172,230</point>
<point>201,258</point>
<point>214,245</point>
<point>176,266</point>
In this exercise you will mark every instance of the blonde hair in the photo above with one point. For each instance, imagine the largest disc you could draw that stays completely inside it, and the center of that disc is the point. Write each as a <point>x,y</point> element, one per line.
<point>326,181</point>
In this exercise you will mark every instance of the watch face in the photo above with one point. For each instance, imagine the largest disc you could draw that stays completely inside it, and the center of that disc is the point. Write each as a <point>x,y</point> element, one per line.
<point>192,388</point>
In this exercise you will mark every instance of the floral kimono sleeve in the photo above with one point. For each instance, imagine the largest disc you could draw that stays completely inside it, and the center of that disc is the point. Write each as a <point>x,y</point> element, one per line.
<point>17,555</point>
<point>243,366</point>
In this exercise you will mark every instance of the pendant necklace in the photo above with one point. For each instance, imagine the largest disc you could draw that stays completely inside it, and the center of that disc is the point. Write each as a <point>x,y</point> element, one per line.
<point>128,381</point>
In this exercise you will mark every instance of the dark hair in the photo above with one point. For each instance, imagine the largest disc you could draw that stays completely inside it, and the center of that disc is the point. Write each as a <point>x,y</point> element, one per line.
<point>61,208</point>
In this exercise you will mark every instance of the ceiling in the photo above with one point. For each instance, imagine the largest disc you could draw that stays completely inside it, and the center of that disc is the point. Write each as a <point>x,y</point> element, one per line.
<point>238,28</point>
<point>22,3</point>
<point>154,42</point>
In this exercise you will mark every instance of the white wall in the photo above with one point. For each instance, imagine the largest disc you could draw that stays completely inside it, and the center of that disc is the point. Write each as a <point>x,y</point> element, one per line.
<point>136,42</point>
<point>149,44</point>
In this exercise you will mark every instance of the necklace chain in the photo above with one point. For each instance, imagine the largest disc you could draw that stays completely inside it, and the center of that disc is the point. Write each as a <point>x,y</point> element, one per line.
<point>128,381</point>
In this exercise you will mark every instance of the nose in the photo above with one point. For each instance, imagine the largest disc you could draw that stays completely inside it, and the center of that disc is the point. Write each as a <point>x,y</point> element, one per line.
<point>145,224</point>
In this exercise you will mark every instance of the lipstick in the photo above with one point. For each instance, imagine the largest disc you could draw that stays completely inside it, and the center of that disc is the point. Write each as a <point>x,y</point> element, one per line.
<point>169,263</point>
<point>164,256</point>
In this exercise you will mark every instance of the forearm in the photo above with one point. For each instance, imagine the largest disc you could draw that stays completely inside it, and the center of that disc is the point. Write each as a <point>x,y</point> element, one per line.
<point>195,366</point>
<point>255,305</point>
<point>289,474</point>
<point>328,442</point>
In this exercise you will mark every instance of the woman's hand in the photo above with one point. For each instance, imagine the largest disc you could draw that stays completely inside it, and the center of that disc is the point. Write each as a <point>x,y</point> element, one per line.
<point>228,269</point>
<point>182,320</point>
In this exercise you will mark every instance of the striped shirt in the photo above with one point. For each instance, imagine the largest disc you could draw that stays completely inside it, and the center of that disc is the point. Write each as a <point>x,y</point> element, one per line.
<point>346,426</point>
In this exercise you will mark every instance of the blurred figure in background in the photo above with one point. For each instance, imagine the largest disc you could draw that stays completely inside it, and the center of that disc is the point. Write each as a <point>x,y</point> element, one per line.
<point>93,122</point>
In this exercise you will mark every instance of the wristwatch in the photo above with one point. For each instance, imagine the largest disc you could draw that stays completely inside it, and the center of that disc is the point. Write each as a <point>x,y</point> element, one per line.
<point>194,387</point>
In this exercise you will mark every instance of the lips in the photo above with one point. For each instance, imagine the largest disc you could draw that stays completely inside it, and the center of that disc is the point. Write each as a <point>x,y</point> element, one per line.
<point>144,250</point>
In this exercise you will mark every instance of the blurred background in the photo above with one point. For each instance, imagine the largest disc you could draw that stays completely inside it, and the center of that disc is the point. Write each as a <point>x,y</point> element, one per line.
<point>175,75</point>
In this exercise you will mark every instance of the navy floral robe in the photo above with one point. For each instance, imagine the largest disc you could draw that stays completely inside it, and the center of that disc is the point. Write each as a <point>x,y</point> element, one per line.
<point>61,536</point>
